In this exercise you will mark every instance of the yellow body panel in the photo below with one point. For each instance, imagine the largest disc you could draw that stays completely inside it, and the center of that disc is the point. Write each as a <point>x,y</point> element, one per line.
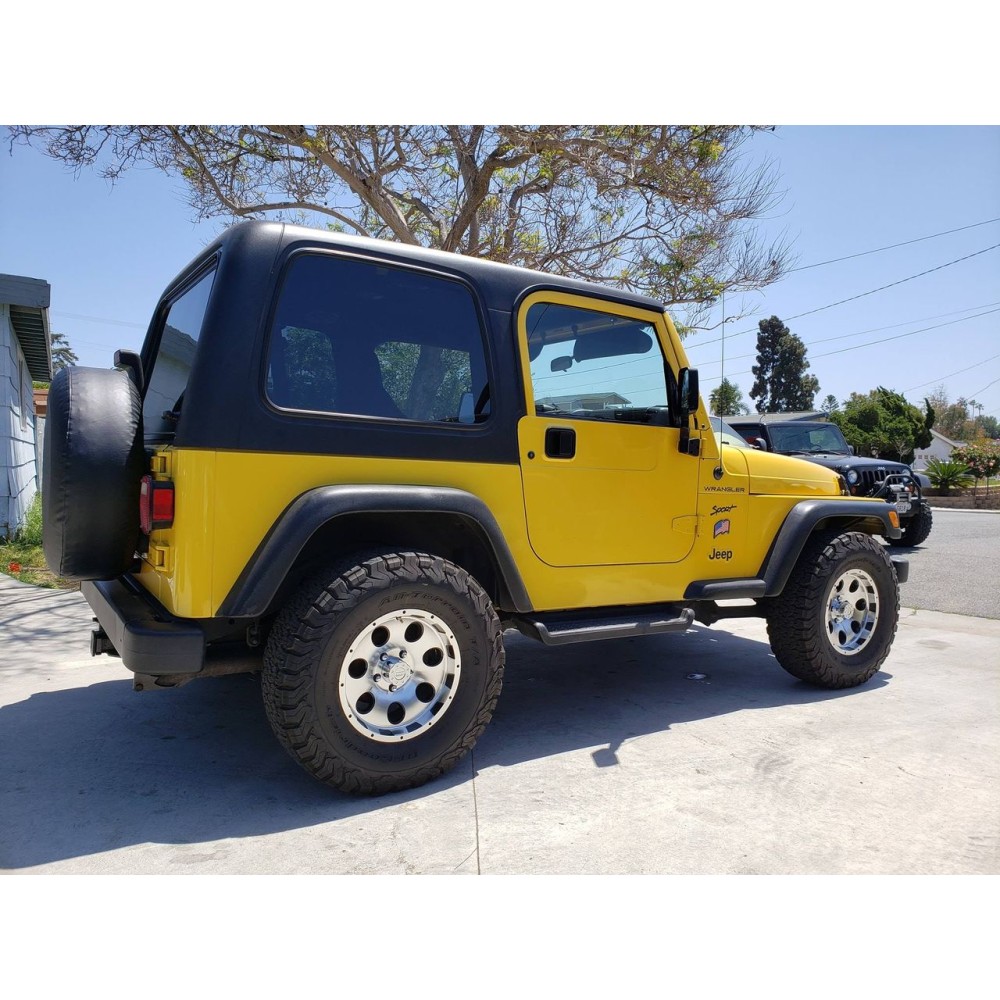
<point>629,520</point>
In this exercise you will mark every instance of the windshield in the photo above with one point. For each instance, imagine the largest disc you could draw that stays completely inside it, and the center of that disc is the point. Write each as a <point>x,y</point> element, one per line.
<point>808,439</point>
<point>727,435</point>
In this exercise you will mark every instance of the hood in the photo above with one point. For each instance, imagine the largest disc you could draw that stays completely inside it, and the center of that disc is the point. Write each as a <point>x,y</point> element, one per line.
<point>838,460</point>
<point>782,475</point>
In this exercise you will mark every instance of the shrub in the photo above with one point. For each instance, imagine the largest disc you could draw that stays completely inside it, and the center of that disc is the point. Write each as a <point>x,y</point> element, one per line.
<point>948,475</point>
<point>982,460</point>
<point>31,530</point>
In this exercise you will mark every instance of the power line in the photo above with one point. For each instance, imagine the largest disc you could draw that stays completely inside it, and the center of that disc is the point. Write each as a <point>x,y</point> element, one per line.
<point>878,329</point>
<point>862,295</point>
<point>961,371</point>
<point>865,253</point>
<point>98,319</point>
<point>885,340</point>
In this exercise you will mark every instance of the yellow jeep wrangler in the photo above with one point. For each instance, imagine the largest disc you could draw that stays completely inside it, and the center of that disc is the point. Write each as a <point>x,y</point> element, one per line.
<point>351,465</point>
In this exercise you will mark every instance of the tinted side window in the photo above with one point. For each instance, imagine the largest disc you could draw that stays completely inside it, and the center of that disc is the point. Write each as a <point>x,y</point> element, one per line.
<point>175,356</point>
<point>368,339</point>
<point>592,365</point>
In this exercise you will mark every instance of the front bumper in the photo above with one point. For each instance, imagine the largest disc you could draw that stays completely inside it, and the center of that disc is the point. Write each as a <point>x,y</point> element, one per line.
<point>147,637</point>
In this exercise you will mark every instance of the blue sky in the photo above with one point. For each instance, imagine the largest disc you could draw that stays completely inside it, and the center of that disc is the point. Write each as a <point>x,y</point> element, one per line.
<point>108,253</point>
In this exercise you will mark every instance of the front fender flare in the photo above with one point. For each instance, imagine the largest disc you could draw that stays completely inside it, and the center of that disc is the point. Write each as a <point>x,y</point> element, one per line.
<point>805,518</point>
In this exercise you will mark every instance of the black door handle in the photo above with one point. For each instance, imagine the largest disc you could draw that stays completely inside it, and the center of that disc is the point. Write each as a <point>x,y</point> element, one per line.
<point>560,442</point>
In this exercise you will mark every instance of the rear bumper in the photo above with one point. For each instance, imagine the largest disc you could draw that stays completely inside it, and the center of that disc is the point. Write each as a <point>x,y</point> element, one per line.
<point>147,637</point>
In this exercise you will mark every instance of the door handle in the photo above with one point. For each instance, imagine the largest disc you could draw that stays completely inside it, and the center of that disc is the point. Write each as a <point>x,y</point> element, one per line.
<point>560,442</point>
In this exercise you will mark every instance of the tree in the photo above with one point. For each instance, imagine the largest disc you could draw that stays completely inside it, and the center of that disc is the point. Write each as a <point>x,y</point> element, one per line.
<point>63,356</point>
<point>727,398</point>
<point>662,209</point>
<point>883,424</point>
<point>781,383</point>
<point>953,420</point>
<point>830,404</point>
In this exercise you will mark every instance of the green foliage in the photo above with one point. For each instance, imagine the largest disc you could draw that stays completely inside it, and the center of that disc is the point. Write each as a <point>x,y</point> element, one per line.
<point>30,533</point>
<point>727,399</point>
<point>948,475</point>
<point>982,459</point>
<point>882,424</point>
<point>662,209</point>
<point>63,356</point>
<point>830,404</point>
<point>781,384</point>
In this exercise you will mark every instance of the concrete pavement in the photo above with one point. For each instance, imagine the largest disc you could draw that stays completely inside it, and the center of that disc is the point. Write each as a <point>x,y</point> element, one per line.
<point>610,757</point>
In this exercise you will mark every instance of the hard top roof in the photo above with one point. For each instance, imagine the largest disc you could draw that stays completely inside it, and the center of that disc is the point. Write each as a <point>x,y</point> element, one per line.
<point>478,270</point>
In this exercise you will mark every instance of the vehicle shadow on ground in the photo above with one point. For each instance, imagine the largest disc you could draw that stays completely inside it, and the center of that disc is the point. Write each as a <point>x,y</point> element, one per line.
<point>94,769</point>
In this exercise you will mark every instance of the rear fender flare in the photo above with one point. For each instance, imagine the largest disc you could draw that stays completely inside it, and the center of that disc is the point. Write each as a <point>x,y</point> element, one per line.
<point>254,591</point>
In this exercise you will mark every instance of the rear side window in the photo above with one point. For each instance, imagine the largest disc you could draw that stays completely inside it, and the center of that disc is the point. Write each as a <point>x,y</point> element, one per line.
<point>367,339</point>
<point>174,358</point>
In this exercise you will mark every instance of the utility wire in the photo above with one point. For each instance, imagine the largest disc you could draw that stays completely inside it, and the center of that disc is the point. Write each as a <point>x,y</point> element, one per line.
<point>961,371</point>
<point>885,340</point>
<point>865,253</point>
<point>860,295</point>
<point>98,319</point>
<point>878,329</point>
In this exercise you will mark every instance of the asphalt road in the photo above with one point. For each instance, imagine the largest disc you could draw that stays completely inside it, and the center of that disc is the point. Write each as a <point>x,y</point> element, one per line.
<point>958,568</point>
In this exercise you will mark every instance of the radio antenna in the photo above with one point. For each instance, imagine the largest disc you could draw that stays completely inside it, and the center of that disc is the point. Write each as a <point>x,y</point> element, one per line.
<point>717,471</point>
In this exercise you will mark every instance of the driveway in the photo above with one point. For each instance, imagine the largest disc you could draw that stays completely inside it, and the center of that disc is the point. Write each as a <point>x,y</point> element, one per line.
<point>677,754</point>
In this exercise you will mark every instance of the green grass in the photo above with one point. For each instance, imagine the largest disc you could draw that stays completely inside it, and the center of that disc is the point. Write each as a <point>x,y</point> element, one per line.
<point>24,550</point>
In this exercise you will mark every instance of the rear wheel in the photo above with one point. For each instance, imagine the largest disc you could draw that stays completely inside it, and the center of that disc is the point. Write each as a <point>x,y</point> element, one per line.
<point>834,623</point>
<point>382,677</point>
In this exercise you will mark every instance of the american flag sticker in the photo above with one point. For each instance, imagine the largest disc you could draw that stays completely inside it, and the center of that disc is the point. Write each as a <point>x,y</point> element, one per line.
<point>721,528</point>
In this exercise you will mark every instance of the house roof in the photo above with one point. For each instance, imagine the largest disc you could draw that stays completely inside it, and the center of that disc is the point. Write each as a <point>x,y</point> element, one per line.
<point>28,300</point>
<point>947,440</point>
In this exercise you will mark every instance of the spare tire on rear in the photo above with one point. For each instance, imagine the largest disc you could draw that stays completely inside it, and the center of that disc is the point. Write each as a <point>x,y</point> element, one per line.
<point>92,465</point>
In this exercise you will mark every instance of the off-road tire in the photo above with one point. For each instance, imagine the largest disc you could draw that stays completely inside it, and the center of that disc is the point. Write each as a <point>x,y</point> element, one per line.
<point>92,465</point>
<point>915,530</point>
<point>804,641</point>
<point>309,646</point>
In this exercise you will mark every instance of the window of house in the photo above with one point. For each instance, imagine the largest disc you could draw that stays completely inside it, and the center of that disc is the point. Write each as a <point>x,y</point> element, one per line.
<point>368,339</point>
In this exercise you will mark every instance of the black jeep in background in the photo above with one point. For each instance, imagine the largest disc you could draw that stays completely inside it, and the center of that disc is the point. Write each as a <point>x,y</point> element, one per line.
<point>823,442</point>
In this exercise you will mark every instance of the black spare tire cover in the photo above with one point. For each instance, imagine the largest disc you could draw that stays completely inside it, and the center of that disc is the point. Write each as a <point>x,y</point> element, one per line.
<point>91,467</point>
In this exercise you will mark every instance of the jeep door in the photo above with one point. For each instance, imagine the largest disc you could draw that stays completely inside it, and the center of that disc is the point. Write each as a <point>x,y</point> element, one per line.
<point>603,479</point>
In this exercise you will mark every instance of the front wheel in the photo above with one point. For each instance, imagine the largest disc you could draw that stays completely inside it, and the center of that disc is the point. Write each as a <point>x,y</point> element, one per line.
<point>834,623</point>
<point>915,530</point>
<point>382,677</point>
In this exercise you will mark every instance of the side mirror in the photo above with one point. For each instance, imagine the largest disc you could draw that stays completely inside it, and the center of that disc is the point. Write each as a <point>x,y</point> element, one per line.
<point>687,392</point>
<point>850,448</point>
<point>133,364</point>
<point>687,403</point>
<point>760,444</point>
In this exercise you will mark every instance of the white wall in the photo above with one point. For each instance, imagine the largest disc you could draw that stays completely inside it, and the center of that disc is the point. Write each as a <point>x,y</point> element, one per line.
<point>939,449</point>
<point>18,480</point>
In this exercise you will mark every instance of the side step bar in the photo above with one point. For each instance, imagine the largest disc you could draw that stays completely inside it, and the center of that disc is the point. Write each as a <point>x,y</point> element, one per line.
<point>562,627</point>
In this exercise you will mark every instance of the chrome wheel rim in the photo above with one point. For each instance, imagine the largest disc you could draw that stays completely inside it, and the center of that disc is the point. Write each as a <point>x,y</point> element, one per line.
<point>851,612</point>
<point>399,675</point>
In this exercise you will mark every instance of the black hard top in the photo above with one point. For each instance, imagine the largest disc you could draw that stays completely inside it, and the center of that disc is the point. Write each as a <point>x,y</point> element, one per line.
<point>500,284</point>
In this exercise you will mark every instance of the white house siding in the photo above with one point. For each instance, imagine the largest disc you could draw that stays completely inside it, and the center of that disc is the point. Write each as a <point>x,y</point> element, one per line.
<point>939,448</point>
<point>17,431</point>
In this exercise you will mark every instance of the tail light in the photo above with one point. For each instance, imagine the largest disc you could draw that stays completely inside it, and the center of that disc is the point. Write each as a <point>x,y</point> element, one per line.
<point>156,504</point>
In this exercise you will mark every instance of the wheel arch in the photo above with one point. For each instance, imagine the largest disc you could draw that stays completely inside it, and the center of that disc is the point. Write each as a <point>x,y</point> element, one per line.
<point>811,516</point>
<point>326,523</point>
